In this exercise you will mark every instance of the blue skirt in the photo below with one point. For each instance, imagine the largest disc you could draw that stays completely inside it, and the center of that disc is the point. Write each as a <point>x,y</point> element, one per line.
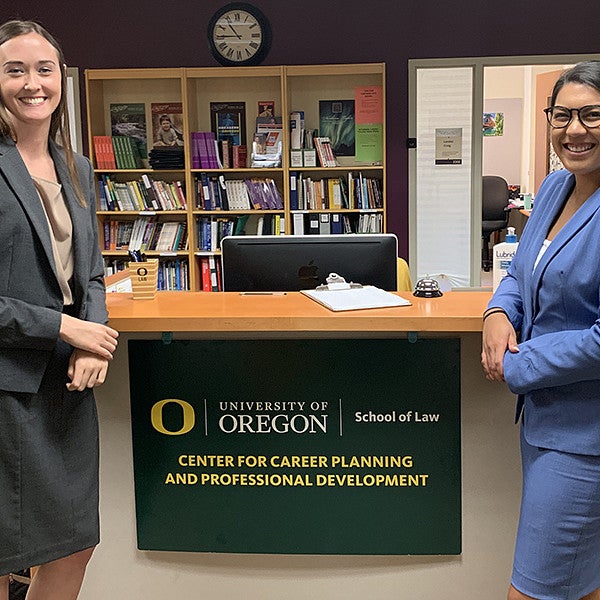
<point>557,555</point>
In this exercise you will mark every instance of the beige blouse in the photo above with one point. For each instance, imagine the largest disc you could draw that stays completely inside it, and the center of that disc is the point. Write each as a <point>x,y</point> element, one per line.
<point>61,232</point>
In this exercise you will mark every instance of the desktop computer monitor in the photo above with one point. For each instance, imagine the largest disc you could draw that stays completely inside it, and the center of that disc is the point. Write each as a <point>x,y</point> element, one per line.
<point>283,263</point>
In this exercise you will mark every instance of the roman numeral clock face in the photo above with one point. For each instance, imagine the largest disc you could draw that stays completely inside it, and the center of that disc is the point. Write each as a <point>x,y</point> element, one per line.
<point>239,34</point>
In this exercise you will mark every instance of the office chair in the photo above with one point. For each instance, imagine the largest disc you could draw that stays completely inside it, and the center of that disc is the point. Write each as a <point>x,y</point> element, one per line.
<point>404,283</point>
<point>495,213</point>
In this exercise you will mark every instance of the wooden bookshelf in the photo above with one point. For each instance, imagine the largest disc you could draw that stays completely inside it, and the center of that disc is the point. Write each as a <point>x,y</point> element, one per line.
<point>298,87</point>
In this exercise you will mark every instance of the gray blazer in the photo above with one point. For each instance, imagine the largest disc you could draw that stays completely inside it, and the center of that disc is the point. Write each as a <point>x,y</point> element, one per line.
<point>30,297</point>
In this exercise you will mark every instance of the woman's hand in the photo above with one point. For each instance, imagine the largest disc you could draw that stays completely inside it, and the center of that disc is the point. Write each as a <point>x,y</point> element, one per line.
<point>93,337</point>
<point>86,370</point>
<point>498,337</point>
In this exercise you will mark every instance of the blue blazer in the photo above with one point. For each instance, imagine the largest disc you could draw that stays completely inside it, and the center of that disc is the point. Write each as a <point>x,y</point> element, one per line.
<point>556,309</point>
<point>31,301</point>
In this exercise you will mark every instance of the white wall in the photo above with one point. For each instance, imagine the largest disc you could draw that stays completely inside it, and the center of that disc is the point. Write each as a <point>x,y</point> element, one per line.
<point>513,82</point>
<point>491,489</point>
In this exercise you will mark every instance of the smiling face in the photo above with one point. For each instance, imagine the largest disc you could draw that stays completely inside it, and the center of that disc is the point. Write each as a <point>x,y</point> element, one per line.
<point>30,79</point>
<point>578,147</point>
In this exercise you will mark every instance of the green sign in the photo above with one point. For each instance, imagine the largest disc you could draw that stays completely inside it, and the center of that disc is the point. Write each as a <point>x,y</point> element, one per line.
<point>297,446</point>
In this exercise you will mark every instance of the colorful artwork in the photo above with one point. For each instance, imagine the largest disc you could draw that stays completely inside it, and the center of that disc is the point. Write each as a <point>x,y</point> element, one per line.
<point>493,124</point>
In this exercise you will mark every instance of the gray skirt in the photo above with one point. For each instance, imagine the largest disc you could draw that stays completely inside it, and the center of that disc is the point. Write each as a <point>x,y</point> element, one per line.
<point>48,471</point>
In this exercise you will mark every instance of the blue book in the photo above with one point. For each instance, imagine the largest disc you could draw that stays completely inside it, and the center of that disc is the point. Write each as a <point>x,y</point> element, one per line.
<point>336,223</point>
<point>293,190</point>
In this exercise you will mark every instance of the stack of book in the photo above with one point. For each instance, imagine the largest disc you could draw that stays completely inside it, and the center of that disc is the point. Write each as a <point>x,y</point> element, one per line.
<point>166,157</point>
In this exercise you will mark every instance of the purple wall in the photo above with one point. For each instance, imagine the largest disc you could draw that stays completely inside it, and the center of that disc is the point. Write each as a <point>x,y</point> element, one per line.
<point>173,34</point>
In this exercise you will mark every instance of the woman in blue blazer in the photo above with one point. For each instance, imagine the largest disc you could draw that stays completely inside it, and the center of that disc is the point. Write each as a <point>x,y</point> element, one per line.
<point>541,335</point>
<point>54,341</point>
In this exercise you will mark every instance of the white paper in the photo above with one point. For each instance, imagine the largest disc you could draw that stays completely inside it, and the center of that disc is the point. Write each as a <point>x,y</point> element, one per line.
<point>367,296</point>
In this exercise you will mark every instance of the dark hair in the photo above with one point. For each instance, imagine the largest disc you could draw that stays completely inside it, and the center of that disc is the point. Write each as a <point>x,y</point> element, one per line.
<point>59,123</point>
<point>586,73</point>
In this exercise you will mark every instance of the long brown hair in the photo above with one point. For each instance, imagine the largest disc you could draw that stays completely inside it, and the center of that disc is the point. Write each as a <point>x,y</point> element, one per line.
<point>59,123</point>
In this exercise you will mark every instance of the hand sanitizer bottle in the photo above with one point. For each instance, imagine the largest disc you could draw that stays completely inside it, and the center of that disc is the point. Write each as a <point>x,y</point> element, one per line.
<point>503,255</point>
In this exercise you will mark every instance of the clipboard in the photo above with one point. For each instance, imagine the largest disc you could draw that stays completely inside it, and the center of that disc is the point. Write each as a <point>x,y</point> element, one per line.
<point>339,295</point>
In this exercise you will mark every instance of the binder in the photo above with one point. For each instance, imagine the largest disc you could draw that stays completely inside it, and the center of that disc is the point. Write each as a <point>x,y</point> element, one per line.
<point>324,224</point>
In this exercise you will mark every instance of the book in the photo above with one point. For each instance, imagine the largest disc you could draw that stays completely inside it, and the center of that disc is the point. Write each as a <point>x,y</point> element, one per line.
<point>336,121</point>
<point>104,152</point>
<point>297,129</point>
<point>205,273</point>
<point>324,224</point>
<point>325,152</point>
<point>266,108</point>
<point>336,223</point>
<point>228,122</point>
<point>129,119</point>
<point>213,273</point>
<point>226,154</point>
<point>126,152</point>
<point>239,154</point>
<point>298,223</point>
<point>293,190</point>
<point>167,123</point>
<point>237,194</point>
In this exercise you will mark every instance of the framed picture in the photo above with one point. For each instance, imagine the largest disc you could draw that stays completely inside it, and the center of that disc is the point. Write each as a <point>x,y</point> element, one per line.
<point>493,124</point>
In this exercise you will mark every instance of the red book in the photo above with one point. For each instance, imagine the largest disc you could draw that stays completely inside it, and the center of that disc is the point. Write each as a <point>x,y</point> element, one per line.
<point>239,156</point>
<point>205,273</point>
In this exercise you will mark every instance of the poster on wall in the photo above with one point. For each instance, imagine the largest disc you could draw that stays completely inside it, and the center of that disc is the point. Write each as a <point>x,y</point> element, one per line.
<point>493,124</point>
<point>297,446</point>
<point>448,146</point>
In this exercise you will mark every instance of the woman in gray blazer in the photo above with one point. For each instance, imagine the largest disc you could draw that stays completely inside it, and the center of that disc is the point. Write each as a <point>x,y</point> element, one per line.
<point>542,335</point>
<point>54,342</point>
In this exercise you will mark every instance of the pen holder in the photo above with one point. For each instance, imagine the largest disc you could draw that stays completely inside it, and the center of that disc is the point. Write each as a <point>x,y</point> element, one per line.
<point>144,279</point>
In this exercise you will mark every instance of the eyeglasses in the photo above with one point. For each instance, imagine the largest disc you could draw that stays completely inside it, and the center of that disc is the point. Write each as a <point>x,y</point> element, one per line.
<point>560,117</point>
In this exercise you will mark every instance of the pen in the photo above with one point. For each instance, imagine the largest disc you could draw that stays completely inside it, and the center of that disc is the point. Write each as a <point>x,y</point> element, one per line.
<point>263,293</point>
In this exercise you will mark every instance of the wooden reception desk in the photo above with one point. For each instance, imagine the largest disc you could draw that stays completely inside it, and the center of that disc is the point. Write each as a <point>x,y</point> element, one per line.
<point>231,312</point>
<point>490,459</point>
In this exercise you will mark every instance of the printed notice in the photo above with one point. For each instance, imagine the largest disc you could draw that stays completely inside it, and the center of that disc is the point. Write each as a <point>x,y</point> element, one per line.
<point>448,146</point>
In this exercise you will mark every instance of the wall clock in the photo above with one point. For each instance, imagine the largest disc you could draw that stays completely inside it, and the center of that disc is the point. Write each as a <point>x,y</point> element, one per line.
<point>239,34</point>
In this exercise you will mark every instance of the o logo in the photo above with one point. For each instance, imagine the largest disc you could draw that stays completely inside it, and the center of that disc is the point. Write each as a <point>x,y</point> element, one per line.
<point>142,271</point>
<point>189,416</point>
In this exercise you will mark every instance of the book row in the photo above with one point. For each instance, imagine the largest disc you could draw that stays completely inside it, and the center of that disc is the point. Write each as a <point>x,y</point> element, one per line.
<point>117,152</point>
<point>144,194</point>
<point>212,230</point>
<point>214,192</point>
<point>173,274</point>
<point>352,192</point>
<point>145,233</point>
<point>335,223</point>
<point>210,153</point>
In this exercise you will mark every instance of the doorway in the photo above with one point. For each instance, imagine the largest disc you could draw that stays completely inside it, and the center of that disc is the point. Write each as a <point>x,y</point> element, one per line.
<point>447,99</point>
